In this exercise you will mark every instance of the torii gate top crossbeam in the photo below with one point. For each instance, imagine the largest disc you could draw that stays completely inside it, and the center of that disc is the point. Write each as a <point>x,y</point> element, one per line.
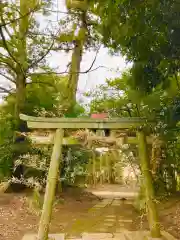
<point>77,123</point>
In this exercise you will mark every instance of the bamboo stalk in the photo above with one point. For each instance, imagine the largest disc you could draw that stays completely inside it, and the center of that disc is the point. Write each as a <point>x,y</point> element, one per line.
<point>149,189</point>
<point>94,169</point>
<point>107,167</point>
<point>51,185</point>
<point>101,168</point>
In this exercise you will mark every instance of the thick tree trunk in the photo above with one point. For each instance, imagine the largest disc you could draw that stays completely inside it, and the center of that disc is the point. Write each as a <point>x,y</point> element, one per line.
<point>20,101</point>
<point>51,186</point>
<point>149,189</point>
<point>75,63</point>
<point>21,64</point>
<point>74,71</point>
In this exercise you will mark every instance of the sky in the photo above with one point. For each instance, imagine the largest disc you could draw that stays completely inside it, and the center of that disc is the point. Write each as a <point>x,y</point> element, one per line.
<point>90,80</point>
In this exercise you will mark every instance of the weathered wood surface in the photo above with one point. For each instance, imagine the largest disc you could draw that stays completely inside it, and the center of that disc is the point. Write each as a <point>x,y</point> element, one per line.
<point>50,186</point>
<point>77,123</point>
<point>73,141</point>
<point>148,186</point>
<point>46,140</point>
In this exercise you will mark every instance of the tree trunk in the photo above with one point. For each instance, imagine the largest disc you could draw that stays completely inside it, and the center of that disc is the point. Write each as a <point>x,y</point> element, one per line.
<point>94,168</point>
<point>20,102</point>
<point>74,71</point>
<point>21,64</point>
<point>101,168</point>
<point>51,186</point>
<point>149,189</point>
<point>75,63</point>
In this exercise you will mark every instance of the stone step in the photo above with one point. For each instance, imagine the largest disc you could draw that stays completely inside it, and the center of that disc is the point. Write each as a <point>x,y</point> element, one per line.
<point>58,236</point>
<point>124,235</point>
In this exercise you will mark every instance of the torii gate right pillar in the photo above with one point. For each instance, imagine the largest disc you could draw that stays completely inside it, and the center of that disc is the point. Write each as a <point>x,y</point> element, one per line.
<point>148,186</point>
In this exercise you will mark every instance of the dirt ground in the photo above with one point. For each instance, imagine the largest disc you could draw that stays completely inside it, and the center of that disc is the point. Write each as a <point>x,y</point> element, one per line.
<point>18,218</point>
<point>169,210</point>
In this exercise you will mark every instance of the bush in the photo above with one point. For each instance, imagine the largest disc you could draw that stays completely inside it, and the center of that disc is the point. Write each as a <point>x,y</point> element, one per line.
<point>6,144</point>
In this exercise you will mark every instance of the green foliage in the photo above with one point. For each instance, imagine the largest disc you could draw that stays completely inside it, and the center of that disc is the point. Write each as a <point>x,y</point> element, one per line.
<point>44,97</point>
<point>146,33</point>
<point>45,93</point>
<point>120,99</point>
<point>6,137</point>
<point>74,166</point>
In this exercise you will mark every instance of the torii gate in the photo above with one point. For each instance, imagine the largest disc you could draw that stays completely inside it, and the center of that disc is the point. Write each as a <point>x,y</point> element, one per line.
<point>137,125</point>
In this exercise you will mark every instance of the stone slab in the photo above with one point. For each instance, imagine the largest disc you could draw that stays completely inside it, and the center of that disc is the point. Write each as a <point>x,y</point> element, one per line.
<point>110,219</point>
<point>142,235</point>
<point>122,234</point>
<point>96,236</point>
<point>108,224</point>
<point>112,195</point>
<point>59,236</point>
<point>125,220</point>
<point>111,216</point>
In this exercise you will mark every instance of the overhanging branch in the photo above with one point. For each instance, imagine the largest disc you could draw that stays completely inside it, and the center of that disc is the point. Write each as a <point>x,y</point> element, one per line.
<point>66,72</point>
<point>4,90</point>
<point>5,62</point>
<point>7,77</point>
<point>42,57</point>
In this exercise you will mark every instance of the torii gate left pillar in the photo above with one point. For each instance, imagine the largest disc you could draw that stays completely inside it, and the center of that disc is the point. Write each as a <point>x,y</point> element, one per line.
<point>51,185</point>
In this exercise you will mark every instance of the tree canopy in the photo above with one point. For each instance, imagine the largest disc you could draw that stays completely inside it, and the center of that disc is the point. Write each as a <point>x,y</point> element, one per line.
<point>146,32</point>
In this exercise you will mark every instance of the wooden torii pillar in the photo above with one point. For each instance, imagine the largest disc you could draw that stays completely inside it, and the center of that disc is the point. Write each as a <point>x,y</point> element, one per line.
<point>59,124</point>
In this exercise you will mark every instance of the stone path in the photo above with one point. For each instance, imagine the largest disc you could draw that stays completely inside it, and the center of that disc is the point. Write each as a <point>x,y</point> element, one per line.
<point>109,219</point>
<point>114,191</point>
<point>105,217</point>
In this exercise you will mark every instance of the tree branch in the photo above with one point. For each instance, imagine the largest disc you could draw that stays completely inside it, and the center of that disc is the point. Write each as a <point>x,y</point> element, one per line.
<point>5,28</point>
<point>8,50</point>
<point>83,72</point>
<point>7,77</point>
<point>3,24</point>
<point>94,60</point>
<point>42,57</point>
<point>4,60</point>
<point>5,90</point>
<point>66,72</point>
